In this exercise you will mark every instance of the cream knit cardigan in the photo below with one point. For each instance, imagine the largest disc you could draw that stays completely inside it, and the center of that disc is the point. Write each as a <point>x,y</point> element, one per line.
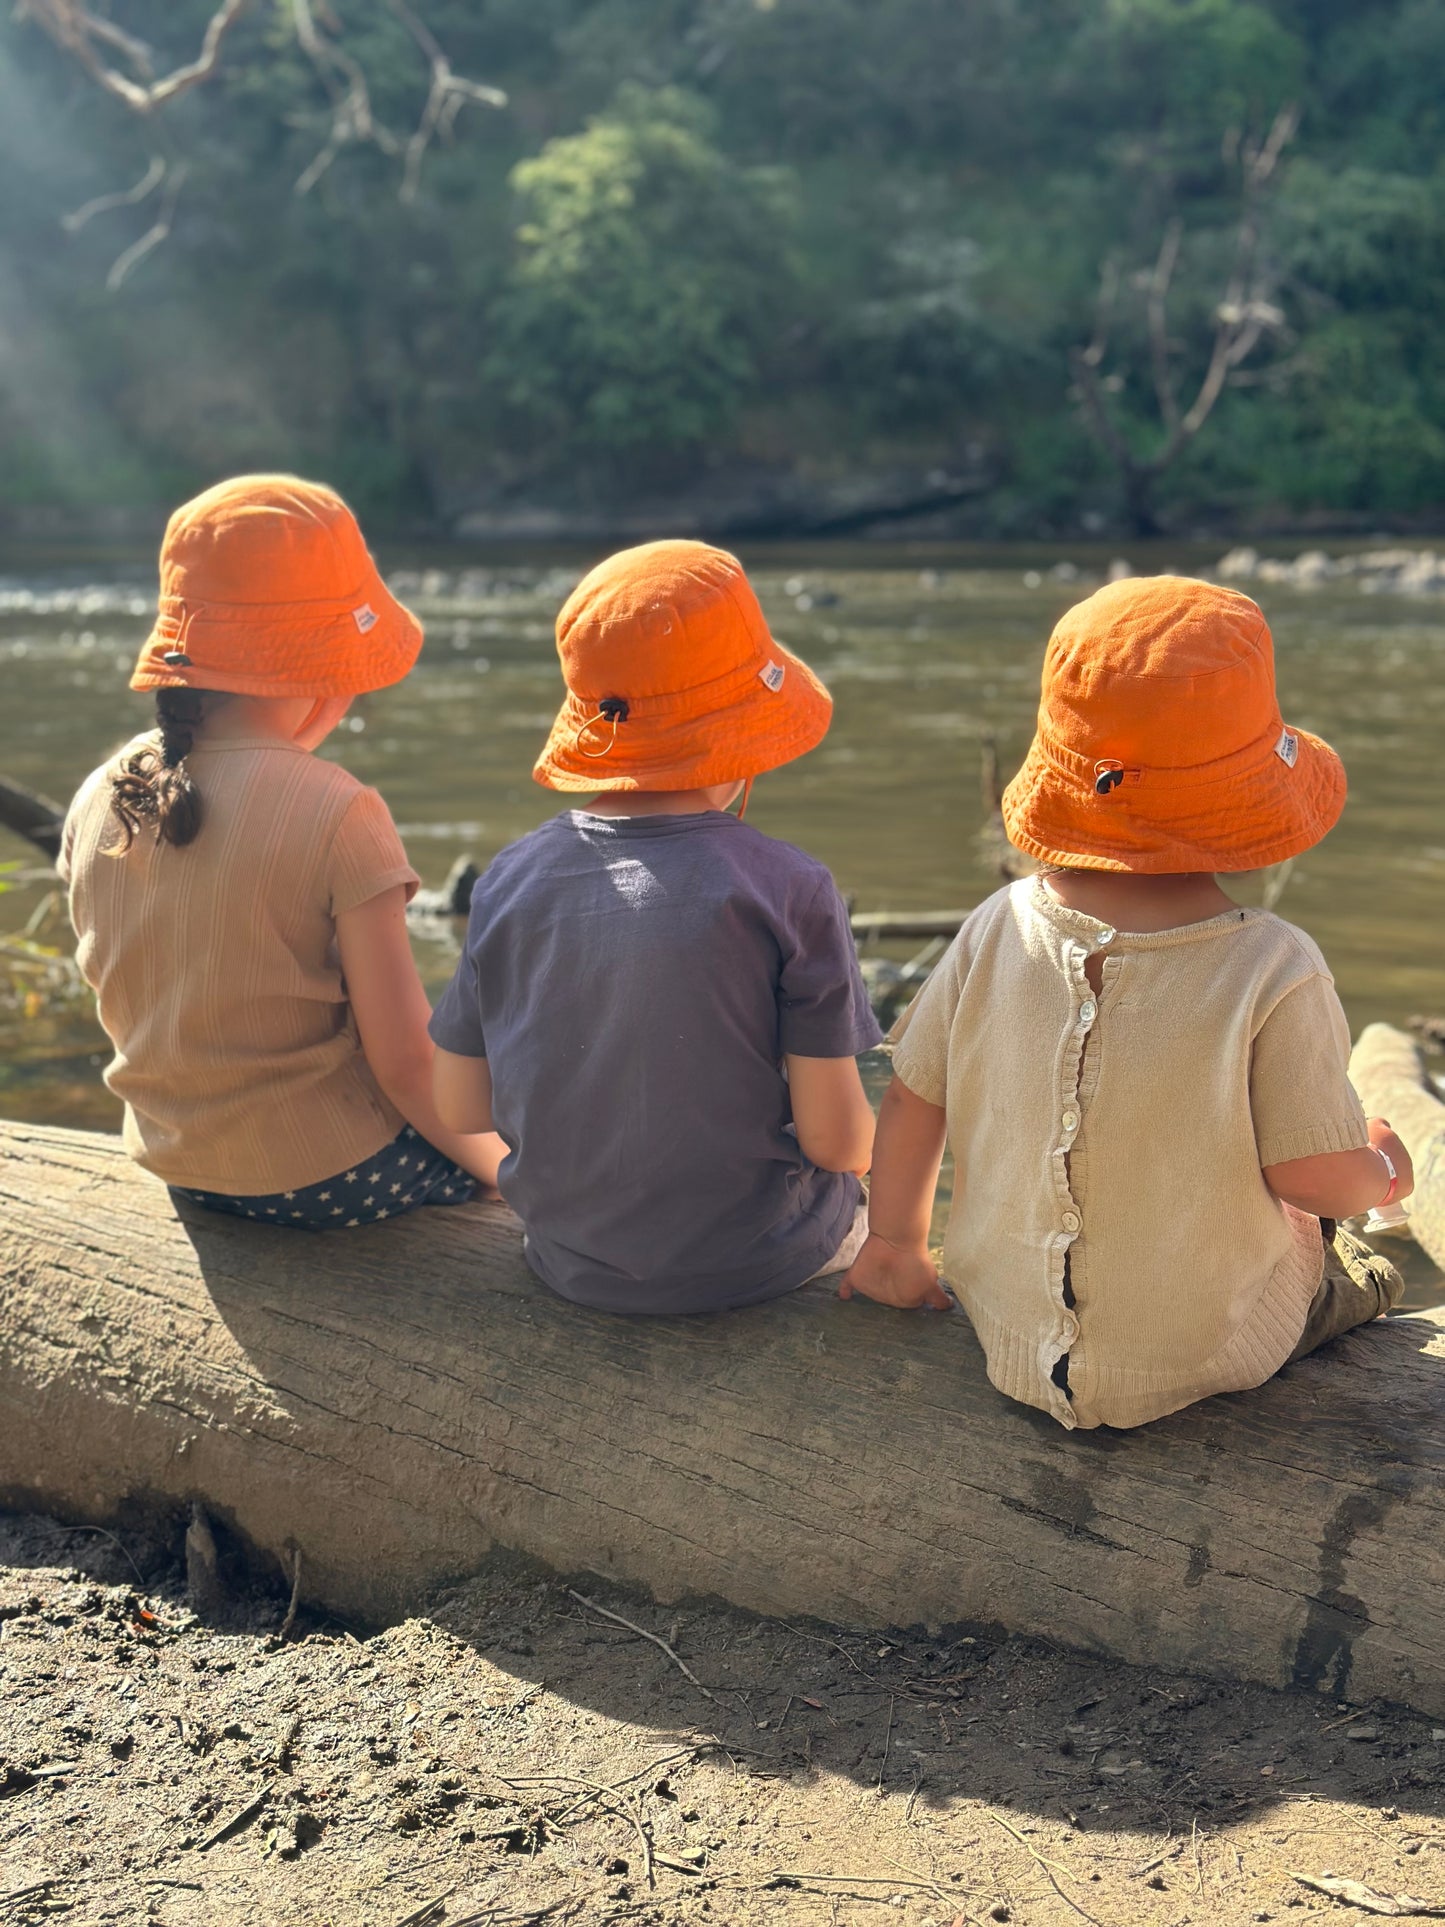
<point>1121,1137</point>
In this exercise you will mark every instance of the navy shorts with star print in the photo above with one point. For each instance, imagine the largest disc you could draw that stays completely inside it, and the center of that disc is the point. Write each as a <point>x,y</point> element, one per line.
<point>402,1176</point>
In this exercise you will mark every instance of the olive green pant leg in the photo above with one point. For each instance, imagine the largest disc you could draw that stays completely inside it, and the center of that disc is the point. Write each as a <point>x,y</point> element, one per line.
<point>1358,1284</point>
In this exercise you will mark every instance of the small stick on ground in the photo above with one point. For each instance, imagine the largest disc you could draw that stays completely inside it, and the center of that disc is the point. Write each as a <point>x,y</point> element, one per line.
<point>290,1620</point>
<point>101,1531</point>
<point>419,1914</point>
<point>656,1638</point>
<point>1048,1867</point>
<point>887,1742</point>
<point>242,1818</point>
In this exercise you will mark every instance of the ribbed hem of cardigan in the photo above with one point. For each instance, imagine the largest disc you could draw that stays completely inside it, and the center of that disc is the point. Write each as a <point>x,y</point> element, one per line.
<point>1015,1366</point>
<point>1120,1397</point>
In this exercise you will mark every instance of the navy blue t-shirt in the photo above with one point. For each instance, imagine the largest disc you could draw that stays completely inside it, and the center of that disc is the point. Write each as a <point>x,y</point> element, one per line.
<point>634,984</point>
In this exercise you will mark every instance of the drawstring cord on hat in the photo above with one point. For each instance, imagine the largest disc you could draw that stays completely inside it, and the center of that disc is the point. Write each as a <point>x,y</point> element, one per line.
<point>610,709</point>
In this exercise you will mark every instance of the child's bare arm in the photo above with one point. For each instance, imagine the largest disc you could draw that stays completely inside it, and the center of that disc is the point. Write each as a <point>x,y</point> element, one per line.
<point>831,1112</point>
<point>391,1011</point>
<point>462,1088</point>
<point>894,1266</point>
<point>1341,1184</point>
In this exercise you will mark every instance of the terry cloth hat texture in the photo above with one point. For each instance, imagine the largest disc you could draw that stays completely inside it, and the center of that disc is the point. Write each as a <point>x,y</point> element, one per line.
<point>267,589</point>
<point>1160,745</point>
<point>673,681</point>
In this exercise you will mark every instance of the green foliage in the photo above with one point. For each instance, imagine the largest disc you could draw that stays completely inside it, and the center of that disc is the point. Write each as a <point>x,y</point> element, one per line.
<point>650,271</point>
<point>825,233</point>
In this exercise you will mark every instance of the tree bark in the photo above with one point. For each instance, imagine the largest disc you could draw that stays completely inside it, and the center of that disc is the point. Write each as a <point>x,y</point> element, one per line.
<point>32,816</point>
<point>395,1401</point>
<point>1387,1068</point>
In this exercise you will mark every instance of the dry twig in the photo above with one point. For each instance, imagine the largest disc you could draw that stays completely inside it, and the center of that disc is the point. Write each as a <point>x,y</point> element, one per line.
<point>290,1620</point>
<point>656,1638</point>
<point>1051,1869</point>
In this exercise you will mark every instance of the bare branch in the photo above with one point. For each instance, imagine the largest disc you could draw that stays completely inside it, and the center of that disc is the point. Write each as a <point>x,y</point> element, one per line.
<point>128,197</point>
<point>448,93</point>
<point>1086,374</point>
<point>80,33</point>
<point>1104,311</point>
<point>159,231</point>
<point>1243,316</point>
<point>1159,320</point>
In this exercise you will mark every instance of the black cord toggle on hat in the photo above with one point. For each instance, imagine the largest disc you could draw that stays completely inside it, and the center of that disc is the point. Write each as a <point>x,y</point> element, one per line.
<point>1108,775</point>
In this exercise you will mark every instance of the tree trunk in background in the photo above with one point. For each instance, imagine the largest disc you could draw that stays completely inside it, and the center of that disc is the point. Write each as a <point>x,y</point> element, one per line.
<point>395,1401</point>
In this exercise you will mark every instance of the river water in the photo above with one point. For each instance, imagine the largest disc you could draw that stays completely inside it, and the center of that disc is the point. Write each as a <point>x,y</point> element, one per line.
<point>929,653</point>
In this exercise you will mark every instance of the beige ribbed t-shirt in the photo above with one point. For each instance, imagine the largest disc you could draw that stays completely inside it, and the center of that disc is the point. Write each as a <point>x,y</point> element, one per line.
<point>216,969</point>
<point>1124,1134</point>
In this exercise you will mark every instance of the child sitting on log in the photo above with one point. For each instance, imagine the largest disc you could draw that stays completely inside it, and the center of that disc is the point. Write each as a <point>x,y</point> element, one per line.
<point>1144,1086</point>
<point>659,1006</point>
<point>241,904</point>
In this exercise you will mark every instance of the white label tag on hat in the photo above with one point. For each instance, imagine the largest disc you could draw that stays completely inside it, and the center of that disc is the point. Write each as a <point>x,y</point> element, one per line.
<point>365,617</point>
<point>772,675</point>
<point>1287,748</point>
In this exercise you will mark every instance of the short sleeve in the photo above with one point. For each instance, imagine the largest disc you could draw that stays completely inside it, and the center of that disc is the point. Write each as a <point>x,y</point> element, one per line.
<point>823,1007</point>
<point>1300,1095</point>
<point>83,800</point>
<point>920,1036</point>
<point>456,1023</point>
<point>67,845</point>
<point>366,855</point>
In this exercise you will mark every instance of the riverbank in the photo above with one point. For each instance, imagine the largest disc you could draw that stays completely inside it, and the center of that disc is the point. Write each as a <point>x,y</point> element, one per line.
<point>532,1750</point>
<point>892,509</point>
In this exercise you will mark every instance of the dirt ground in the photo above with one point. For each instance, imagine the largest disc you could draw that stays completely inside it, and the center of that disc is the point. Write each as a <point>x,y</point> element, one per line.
<point>522,1755</point>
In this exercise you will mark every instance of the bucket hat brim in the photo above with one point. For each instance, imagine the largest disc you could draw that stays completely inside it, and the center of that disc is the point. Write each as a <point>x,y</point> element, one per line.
<point>752,722</point>
<point>260,649</point>
<point>1257,811</point>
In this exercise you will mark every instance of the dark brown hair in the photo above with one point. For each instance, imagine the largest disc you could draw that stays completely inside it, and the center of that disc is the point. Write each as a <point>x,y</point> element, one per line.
<point>153,785</point>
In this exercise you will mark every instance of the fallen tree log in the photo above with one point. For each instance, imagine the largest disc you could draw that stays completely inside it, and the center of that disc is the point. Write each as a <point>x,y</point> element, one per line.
<point>396,1401</point>
<point>1387,1068</point>
<point>31,815</point>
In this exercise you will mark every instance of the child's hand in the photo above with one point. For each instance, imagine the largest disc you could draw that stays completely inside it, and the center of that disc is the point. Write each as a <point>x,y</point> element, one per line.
<point>889,1275</point>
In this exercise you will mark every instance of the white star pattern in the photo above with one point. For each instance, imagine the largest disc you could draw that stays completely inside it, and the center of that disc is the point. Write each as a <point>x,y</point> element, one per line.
<point>336,1210</point>
<point>368,1202</point>
<point>324,1197</point>
<point>352,1221</point>
<point>351,1177</point>
<point>382,1214</point>
<point>373,1177</point>
<point>448,1190</point>
<point>289,1196</point>
<point>394,1189</point>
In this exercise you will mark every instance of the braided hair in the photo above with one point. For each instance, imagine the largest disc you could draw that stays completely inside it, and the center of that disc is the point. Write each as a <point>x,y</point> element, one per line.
<point>153,785</point>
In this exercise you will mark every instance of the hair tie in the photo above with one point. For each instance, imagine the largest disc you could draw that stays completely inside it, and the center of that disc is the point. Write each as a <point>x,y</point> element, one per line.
<point>610,709</point>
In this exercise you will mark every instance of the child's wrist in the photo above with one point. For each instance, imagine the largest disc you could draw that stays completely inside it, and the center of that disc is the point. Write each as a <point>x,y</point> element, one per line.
<point>1392,1187</point>
<point>906,1247</point>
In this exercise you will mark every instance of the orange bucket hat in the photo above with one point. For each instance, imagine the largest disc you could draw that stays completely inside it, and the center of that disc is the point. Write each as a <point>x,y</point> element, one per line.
<point>268,589</point>
<point>1160,745</point>
<point>673,680</point>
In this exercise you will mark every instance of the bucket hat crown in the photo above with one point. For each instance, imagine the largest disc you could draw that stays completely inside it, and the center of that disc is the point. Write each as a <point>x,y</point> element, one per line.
<point>1160,746</point>
<point>268,589</point>
<point>674,680</point>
